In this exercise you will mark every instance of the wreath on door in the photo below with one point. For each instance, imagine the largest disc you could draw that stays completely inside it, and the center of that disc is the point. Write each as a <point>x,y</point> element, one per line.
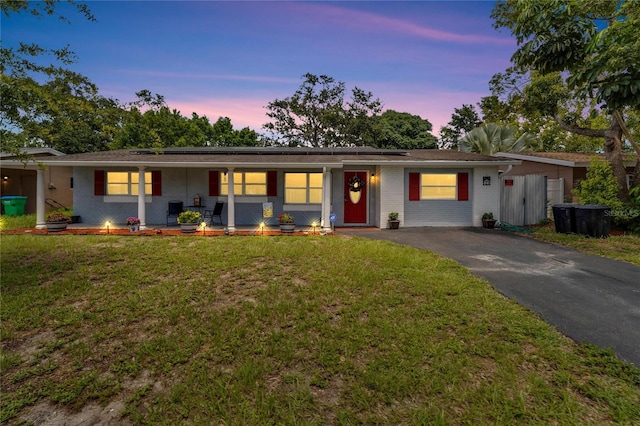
<point>355,184</point>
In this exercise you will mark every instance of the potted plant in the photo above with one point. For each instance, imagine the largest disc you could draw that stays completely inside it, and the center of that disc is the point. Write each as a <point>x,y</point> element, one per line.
<point>133,223</point>
<point>488,221</point>
<point>189,221</point>
<point>393,220</point>
<point>287,222</point>
<point>57,222</point>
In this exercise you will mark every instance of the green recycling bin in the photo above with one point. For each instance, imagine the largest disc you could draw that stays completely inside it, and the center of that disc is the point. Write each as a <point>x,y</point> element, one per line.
<point>13,204</point>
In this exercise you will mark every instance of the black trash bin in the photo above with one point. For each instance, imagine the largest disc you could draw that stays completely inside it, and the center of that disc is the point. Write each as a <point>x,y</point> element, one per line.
<point>593,220</point>
<point>564,217</point>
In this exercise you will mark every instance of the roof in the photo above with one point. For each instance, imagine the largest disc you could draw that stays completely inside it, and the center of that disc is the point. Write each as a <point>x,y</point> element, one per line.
<point>36,152</point>
<point>273,157</point>
<point>569,159</point>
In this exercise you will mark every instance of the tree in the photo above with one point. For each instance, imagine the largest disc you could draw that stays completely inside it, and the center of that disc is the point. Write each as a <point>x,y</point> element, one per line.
<point>317,116</point>
<point>492,138</point>
<point>43,102</point>
<point>401,130</point>
<point>595,44</point>
<point>509,106</point>
<point>159,127</point>
<point>463,120</point>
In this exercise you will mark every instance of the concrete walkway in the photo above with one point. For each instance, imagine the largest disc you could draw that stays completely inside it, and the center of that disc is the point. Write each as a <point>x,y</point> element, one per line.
<point>588,298</point>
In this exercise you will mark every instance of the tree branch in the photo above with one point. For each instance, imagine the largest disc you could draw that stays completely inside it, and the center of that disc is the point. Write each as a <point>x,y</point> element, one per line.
<point>596,133</point>
<point>626,131</point>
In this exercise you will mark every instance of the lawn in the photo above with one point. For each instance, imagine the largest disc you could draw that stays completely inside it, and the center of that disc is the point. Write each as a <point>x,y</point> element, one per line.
<point>624,247</point>
<point>282,330</point>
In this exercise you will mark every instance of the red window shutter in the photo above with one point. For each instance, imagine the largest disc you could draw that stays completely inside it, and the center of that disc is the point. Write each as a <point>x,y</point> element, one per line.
<point>98,182</point>
<point>214,183</point>
<point>156,182</point>
<point>272,183</point>
<point>414,186</point>
<point>463,186</point>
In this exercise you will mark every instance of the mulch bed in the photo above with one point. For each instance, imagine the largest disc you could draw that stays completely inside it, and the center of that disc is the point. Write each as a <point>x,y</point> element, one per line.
<point>147,232</point>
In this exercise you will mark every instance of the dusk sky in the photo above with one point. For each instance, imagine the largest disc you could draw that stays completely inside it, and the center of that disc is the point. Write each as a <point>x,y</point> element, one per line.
<point>232,58</point>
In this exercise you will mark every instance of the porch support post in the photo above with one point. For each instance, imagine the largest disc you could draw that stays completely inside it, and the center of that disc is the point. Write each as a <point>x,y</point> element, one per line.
<point>325,223</point>
<point>142,208</point>
<point>231,198</point>
<point>40,219</point>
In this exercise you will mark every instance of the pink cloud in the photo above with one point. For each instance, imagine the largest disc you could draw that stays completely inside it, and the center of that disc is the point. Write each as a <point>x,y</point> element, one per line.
<point>354,18</point>
<point>207,76</point>
<point>243,112</point>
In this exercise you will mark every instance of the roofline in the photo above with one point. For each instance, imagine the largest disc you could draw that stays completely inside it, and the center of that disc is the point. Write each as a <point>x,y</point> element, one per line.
<point>554,161</point>
<point>438,163</point>
<point>265,165</point>
<point>173,164</point>
<point>537,159</point>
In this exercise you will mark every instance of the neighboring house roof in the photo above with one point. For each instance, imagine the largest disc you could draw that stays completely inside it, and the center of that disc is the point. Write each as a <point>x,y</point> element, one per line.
<point>275,157</point>
<point>36,152</point>
<point>569,159</point>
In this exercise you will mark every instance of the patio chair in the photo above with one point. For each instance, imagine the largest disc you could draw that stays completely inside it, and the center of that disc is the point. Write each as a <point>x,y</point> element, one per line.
<point>174,210</point>
<point>216,212</point>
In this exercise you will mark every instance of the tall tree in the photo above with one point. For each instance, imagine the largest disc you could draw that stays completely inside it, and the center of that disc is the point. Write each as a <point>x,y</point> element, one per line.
<point>401,130</point>
<point>149,123</point>
<point>492,138</point>
<point>463,120</point>
<point>316,114</point>
<point>595,44</point>
<point>44,103</point>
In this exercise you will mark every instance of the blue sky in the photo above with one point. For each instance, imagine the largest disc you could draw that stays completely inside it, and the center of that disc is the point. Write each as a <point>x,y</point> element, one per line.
<point>233,58</point>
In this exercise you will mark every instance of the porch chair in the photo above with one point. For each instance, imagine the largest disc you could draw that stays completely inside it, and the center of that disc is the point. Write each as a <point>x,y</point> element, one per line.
<point>174,210</point>
<point>216,212</point>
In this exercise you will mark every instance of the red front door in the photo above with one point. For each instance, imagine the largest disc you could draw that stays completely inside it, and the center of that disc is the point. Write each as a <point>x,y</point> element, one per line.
<point>355,197</point>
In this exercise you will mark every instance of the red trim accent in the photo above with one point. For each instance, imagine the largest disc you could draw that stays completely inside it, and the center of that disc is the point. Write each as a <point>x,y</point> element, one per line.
<point>156,182</point>
<point>214,183</point>
<point>463,186</point>
<point>272,183</point>
<point>98,182</point>
<point>414,186</point>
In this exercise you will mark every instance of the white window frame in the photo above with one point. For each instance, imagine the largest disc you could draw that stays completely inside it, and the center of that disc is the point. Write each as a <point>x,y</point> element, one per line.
<point>307,188</point>
<point>148,184</point>
<point>239,180</point>
<point>424,186</point>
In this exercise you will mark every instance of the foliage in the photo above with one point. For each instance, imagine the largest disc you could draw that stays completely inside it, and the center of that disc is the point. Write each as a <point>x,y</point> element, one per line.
<point>492,138</point>
<point>149,123</point>
<point>283,330</point>
<point>56,217</point>
<point>44,103</point>
<point>401,130</point>
<point>394,216</point>
<point>133,221</point>
<point>600,187</point>
<point>285,218</point>
<point>463,120</point>
<point>189,216</point>
<point>595,45</point>
<point>594,41</point>
<point>487,216</point>
<point>317,115</point>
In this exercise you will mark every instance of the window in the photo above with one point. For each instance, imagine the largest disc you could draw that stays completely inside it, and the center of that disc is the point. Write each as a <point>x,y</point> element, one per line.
<point>126,183</point>
<point>245,183</point>
<point>438,186</point>
<point>303,188</point>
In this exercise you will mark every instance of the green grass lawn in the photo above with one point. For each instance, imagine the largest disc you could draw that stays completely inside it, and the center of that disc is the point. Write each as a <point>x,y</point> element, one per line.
<point>284,330</point>
<point>619,247</point>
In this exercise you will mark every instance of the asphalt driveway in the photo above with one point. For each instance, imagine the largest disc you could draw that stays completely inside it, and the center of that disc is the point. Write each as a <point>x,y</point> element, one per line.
<point>588,298</point>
